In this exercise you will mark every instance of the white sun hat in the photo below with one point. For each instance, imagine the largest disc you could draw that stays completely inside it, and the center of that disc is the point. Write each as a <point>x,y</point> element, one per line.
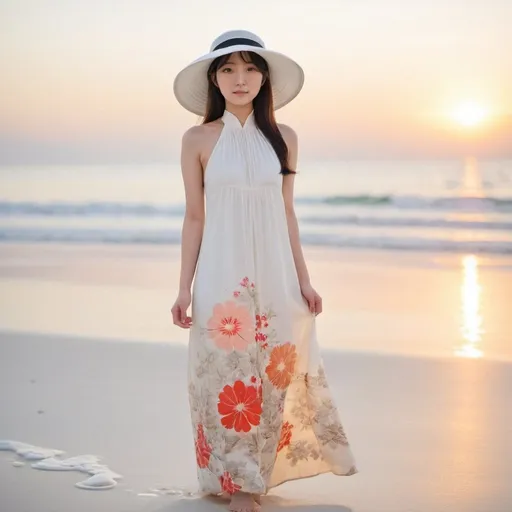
<point>191,83</point>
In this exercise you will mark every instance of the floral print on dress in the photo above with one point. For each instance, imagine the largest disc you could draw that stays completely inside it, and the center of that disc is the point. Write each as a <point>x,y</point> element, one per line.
<point>286,436</point>
<point>230,326</point>
<point>240,407</point>
<point>258,418</point>
<point>203,449</point>
<point>281,366</point>
<point>227,483</point>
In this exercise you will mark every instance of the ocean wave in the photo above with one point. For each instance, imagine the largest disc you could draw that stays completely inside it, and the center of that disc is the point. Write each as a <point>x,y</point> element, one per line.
<point>409,244</point>
<point>113,209</point>
<point>357,220</point>
<point>413,202</point>
<point>89,209</point>
<point>89,235</point>
<point>127,236</point>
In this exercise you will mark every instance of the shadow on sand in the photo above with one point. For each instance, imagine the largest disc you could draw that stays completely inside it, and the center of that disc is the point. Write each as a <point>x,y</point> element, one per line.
<point>268,503</point>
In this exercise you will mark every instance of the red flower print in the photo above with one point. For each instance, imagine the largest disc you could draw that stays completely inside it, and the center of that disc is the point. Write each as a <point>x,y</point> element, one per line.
<point>240,406</point>
<point>227,483</point>
<point>282,364</point>
<point>286,436</point>
<point>244,282</point>
<point>261,321</point>
<point>230,326</point>
<point>259,336</point>
<point>236,293</point>
<point>203,449</point>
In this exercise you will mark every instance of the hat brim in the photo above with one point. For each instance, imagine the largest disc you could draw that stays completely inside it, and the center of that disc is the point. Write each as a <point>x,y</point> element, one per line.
<point>191,84</point>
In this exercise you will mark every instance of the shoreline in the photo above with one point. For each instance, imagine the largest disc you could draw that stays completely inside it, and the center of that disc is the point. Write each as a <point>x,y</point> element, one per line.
<point>325,352</point>
<point>331,253</point>
<point>394,303</point>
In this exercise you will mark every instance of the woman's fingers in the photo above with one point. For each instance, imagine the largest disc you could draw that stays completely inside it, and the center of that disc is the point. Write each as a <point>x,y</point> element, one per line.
<point>318,304</point>
<point>179,317</point>
<point>311,303</point>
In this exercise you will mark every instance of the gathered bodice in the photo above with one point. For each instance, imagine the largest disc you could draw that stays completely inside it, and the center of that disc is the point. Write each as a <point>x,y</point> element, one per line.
<point>242,157</point>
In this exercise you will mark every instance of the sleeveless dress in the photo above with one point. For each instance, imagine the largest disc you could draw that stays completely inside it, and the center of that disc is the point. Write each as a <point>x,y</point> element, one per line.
<point>261,409</point>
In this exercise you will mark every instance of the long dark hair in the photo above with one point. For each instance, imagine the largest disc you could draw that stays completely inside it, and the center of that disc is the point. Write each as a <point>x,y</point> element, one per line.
<point>263,105</point>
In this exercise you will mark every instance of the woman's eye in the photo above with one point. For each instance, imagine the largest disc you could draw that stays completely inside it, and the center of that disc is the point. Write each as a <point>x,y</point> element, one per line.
<point>226,69</point>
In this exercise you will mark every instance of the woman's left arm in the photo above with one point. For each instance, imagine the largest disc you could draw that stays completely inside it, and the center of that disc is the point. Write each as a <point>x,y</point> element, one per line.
<point>312,297</point>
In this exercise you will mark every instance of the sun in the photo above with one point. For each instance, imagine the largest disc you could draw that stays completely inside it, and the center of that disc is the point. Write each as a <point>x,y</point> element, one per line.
<point>470,113</point>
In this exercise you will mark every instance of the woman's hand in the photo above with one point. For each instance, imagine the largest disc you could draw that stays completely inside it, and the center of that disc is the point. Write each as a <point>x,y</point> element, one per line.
<point>312,298</point>
<point>179,310</point>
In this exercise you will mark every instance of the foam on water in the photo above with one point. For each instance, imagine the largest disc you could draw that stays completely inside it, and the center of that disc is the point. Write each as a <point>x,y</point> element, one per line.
<point>101,476</point>
<point>28,451</point>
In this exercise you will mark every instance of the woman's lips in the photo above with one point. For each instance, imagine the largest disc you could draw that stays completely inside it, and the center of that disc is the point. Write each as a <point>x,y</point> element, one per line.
<point>239,92</point>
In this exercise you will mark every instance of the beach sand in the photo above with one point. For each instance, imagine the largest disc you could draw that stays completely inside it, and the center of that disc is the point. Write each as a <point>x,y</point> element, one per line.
<point>91,364</point>
<point>428,435</point>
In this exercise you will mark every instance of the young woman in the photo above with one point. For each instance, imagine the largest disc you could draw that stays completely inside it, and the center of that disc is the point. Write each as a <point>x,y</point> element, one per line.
<point>261,408</point>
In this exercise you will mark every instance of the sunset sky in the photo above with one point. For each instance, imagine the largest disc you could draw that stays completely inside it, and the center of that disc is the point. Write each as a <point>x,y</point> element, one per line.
<point>91,82</point>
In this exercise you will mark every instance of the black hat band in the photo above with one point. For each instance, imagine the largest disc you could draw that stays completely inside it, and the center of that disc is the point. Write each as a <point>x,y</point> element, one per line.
<point>236,41</point>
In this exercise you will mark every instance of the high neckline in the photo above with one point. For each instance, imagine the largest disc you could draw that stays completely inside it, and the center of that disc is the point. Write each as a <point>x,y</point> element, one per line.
<point>230,119</point>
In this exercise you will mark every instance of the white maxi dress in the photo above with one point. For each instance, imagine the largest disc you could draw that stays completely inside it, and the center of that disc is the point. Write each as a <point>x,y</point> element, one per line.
<point>261,409</point>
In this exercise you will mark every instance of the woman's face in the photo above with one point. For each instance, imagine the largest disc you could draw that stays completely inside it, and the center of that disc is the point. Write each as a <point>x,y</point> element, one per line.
<point>239,81</point>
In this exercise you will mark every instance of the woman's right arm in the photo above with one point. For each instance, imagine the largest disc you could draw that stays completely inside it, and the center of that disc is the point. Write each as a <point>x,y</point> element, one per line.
<point>193,222</point>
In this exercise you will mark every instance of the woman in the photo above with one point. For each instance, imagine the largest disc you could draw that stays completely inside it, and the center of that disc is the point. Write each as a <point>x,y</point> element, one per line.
<point>261,409</point>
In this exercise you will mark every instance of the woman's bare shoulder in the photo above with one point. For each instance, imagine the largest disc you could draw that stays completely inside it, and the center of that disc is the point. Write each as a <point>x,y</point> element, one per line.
<point>285,128</point>
<point>288,133</point>
<point>201,139</point>
<point>203,130</point>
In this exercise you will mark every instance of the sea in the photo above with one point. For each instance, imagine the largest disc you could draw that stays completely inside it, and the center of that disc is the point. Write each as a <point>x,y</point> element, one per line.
<point>455,206</point>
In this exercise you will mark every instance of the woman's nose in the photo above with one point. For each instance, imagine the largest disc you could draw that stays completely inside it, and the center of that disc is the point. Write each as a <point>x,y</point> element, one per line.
<point>240,79</point>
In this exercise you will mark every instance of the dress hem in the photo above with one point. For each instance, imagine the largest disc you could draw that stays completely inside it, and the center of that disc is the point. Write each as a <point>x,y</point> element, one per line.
<point>352,471</point>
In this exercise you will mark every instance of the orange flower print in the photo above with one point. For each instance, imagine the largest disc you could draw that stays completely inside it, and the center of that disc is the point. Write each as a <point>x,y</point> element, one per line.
<point>227,483</point>
<point>282,364</point>
<point>231,326</point>
<point>240,406</point>
<point>286,435</point>
<point>203,449</point>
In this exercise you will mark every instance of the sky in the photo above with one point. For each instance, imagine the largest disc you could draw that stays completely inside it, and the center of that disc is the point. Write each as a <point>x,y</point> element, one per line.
<point>91,82</point>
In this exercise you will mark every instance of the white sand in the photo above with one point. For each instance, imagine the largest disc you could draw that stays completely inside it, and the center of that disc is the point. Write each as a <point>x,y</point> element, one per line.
<point>428,435</point>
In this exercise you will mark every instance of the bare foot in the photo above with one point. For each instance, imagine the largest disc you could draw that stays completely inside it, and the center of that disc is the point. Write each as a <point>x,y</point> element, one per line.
<point>243,502</point>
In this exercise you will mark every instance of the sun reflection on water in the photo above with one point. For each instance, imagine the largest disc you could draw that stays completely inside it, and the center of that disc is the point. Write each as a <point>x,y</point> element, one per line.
<point>471,327</point>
